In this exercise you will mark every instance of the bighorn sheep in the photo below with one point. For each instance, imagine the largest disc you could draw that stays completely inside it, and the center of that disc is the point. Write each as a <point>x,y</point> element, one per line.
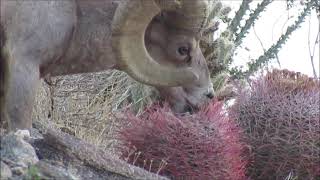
<point>156,42</point>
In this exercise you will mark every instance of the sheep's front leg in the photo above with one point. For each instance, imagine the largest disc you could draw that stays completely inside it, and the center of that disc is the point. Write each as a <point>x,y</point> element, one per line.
<point>21,81</point>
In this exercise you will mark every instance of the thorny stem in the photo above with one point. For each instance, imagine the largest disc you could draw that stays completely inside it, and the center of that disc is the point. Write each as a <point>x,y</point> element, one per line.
<point>252,18</point>
<point>311,52</point>
<point>257,36</point>
<point>274,49</point>
<point>235,23</point>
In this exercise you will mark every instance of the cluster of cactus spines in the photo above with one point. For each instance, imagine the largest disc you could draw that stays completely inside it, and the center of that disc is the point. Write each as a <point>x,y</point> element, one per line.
<point>220,55</point>
<point>235,23</point>
<point>218,59</point>
<point>218,11</point>
<point>280,116</point>
<point>141,96</point>
<point>217,51</point>
<point>224,90</point>
<point>295,82</point>
<point>220,80</point>
<point>212,24</point>
<point>206,145</point>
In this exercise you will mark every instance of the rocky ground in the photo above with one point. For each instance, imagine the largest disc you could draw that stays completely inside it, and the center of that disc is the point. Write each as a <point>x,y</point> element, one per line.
<point>46,153</point>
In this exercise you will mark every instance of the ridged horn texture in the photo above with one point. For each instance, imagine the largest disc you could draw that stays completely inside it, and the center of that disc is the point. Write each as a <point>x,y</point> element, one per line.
<point>129,25</point>
<point>191,15</point>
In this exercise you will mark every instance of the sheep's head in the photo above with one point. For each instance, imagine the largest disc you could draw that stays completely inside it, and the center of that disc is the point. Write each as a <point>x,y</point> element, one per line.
<point>157,43</point>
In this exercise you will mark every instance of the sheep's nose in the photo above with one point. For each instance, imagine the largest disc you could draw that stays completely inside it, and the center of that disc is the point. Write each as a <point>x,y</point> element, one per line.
<point>210,95</point>
<point>210,91</point>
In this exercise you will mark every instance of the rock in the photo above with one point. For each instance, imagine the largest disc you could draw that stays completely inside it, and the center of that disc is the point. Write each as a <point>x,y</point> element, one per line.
<point>17,152</point>
<point>77,158</point>
<point>18,170</point>
<point>5,172</point>
<point>52,154</point>
<point>24,134</point>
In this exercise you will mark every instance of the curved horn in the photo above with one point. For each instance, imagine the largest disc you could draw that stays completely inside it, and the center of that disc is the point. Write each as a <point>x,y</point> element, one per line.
<point>129,25</point>
<point>192,15</point>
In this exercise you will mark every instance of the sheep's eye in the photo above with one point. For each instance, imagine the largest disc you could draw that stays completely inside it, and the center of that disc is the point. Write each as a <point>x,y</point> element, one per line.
<point>183,50</point>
